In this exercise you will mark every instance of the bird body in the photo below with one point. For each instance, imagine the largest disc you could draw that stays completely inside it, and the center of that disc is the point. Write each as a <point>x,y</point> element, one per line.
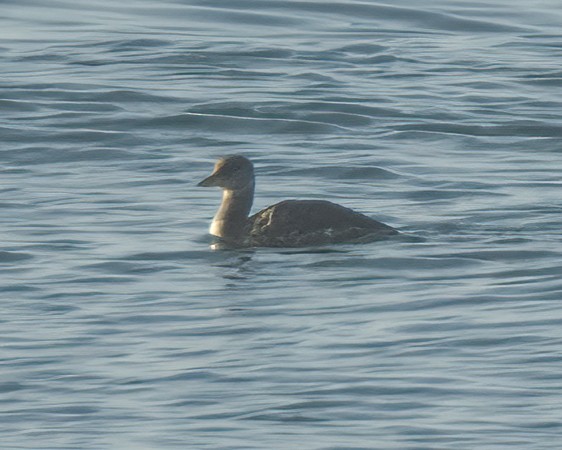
<point>290,223</point>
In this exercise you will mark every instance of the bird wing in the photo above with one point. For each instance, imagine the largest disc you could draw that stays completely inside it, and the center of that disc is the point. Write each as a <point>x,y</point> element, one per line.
<point>317,221</point>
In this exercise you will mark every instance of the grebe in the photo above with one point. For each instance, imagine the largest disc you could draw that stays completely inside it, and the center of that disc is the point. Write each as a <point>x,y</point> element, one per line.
<point>290,223</point>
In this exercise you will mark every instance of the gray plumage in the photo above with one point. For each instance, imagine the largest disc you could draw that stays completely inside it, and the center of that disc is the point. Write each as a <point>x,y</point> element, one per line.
<point>290,223</point>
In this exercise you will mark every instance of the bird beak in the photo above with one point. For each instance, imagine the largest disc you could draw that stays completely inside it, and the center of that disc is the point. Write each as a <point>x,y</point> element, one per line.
<point>209,181</point>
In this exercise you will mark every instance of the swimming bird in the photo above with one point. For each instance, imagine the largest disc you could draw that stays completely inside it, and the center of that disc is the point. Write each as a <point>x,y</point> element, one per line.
<point>290,223</point>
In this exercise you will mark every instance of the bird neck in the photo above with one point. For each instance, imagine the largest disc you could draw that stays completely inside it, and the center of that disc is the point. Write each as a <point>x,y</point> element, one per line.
<point>231,219</point>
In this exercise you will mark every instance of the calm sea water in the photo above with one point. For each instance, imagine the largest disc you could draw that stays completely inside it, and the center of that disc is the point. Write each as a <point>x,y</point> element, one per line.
<point>121,329</point>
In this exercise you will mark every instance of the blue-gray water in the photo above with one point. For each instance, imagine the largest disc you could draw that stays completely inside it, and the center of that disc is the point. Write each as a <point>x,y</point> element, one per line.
<point>120,328</point>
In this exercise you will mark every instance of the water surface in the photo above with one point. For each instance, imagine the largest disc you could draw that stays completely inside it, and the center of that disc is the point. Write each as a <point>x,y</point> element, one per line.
<point>120,328</point>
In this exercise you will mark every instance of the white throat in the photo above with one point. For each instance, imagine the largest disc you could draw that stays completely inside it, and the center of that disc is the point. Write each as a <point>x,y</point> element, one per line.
<point>230,221</point>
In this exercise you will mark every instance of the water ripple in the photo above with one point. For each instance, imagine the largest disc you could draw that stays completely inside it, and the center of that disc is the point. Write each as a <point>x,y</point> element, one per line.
<point>442,121</point>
